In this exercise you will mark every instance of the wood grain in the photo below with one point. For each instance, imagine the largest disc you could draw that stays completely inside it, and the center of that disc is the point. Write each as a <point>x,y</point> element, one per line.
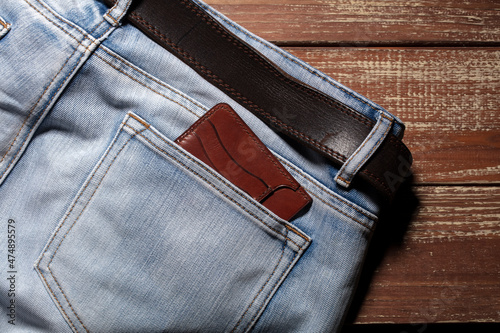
<point>441,263</point>
<point>448,98</point>
<point>359,21</point>
<point>447,269</point>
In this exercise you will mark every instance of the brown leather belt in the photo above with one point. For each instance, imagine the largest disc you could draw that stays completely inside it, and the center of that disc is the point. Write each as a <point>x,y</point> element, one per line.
<point>282,102</point>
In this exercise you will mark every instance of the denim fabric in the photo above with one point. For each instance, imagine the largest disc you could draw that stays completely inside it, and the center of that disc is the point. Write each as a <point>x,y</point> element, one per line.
<point>118,229</point>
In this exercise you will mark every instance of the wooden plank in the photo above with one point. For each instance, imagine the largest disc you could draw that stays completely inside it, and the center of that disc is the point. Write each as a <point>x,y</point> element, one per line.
<point>446,269</point>
<point>422,328</point>
<point>359,21</point>
<point>448,98</point>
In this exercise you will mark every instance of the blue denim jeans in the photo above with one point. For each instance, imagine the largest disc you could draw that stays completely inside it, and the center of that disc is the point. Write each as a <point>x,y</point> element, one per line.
<point>108,226</point>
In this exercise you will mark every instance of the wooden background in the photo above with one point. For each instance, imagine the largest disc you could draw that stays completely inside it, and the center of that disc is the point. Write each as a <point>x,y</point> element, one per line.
<point>436,65</point>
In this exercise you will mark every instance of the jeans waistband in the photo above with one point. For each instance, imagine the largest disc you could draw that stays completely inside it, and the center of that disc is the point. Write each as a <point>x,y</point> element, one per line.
<point>348,138</point>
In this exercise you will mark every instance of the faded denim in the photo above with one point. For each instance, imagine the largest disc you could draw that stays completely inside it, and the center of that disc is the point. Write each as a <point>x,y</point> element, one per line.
<point>118,229</point>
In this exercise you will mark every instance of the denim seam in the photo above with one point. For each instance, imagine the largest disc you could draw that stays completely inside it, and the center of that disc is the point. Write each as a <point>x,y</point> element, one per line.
<point>112,18</point>
<point>222,192</point>
<point>74,26</point>
<point>4,27</point>
<point>360,163</point>
<point>166,86</point>
<point>146,86</point>
<point>84,33</point>
<point>38,118</point>
<point>119,16</point>
<point>280,279</point>
<point>81,192</point>
<point>71,227</point>
<point>4,24</point>
<point>42,112</point>
<point>40,115</point>
<point>44,5</point>
<point>51,21</point>
<point>149,76</point>
<point>334,196</point>
<point>260,291</point>
<point>342,212</point>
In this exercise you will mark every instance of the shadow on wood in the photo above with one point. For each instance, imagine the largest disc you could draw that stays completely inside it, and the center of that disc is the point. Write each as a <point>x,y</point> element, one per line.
<point>391,228</point>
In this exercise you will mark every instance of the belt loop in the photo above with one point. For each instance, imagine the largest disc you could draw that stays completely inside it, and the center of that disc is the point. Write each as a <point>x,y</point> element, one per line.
<point>367,148</point>
<point>115,14</point>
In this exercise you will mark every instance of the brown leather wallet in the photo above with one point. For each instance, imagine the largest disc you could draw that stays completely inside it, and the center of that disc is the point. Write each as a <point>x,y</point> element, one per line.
<point>224,142</point>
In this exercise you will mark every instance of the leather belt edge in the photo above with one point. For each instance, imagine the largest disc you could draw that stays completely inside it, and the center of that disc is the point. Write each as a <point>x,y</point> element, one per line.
<point>317,120</point>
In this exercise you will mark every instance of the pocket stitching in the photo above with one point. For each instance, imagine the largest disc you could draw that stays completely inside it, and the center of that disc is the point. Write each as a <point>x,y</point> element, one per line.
<point>333,195</point>
<point>5,27</point>
<point>218,177</point>
<point>262,288</point>
<point>97,186</point>
<point>70,228</point>
<point>219,190</point>
<point>271,290</point>
<point>343,213</point>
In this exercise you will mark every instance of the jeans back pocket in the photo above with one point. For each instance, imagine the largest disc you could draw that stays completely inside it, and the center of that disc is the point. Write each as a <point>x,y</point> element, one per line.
<point>155,241</point>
